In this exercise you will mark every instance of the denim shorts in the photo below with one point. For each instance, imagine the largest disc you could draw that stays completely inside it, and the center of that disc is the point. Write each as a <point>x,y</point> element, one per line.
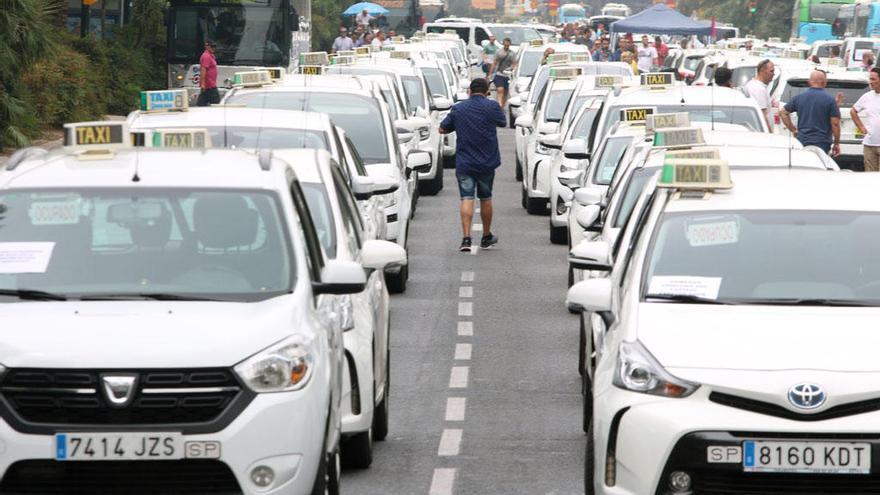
<point>479,184</point>
<point>501,82</point>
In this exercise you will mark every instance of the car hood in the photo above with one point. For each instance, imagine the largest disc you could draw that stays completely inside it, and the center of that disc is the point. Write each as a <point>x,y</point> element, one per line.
<point>143,334</point>
<point>768,338</point>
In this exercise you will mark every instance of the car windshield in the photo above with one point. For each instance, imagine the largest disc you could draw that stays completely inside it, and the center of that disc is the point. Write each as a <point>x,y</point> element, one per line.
<point>367,71</point>
<point>175,243</point>
<point>556,104</point>
<point>517,34</point>
<point>436,84</point>
<point>742,75</point>
<point>359,116</point>
<point>322,215</point>
<point>824,51</point>
<point>529,63</point>
<point>824,13</point>
<point>851,90</point>
<point>610,158</point>
<point>745,116</point>
<point>262,137</point>
<point>691,63</point>
<point>711,254</point>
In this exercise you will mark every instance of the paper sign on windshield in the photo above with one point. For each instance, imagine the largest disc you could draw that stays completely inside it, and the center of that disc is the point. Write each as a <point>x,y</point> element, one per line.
<point>25,257</point>
<point>705,287</point>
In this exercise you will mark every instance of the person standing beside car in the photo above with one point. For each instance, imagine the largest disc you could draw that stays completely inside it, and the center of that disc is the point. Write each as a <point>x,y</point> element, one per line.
<point>502,67</point>
<point>869,105</point>
<point>818,116</point>
<point>759,88</point>
<point>208,94</point>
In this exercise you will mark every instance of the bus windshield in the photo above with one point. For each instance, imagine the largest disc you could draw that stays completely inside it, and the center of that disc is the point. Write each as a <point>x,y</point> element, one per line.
<point>825,13</point>
<point>247,33</point>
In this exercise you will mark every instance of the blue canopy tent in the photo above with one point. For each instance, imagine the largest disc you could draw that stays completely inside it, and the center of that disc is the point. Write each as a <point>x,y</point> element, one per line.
<point>660,19</point>
<point>371,8</point>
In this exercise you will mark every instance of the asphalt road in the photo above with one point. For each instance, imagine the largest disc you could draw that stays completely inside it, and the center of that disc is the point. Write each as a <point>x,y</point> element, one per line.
<point>498,411</point>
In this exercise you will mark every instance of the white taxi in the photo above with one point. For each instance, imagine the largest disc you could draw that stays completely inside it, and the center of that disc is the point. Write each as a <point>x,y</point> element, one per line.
<point>528,61</point>
<point>717,341</point>
<point>178,311</point>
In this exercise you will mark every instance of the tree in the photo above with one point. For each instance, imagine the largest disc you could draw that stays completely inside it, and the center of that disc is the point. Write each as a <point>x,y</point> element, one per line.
<point>326,16</point>
<point>25,37</point>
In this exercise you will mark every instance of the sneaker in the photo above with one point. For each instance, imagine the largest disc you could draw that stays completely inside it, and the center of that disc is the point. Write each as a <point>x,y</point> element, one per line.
<point>465,245</point>
<point>488,241</point>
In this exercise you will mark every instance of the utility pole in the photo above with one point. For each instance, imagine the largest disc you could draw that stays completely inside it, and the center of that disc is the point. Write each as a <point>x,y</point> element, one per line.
<point>85,20</point>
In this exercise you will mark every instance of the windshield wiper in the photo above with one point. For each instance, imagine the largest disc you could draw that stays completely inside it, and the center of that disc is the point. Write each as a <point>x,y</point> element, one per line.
<point>156,296</point>
<point>686,298</point>
<point>817,301</point>
<point>32,295</point>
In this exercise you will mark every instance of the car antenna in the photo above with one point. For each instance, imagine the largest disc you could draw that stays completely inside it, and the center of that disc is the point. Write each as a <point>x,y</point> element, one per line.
<point>136,177</point>
<point>789,149</point>
<point>712,106</point>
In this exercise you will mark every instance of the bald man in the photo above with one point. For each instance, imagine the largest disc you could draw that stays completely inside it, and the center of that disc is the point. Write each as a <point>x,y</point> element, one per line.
<point>818,116</point>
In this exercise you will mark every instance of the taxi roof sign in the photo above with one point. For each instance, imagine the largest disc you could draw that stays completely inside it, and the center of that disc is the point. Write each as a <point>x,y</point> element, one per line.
<point>558,58</point>
<point>275,73</point>
<point>581,57</point>
<point>181,138</point>
<point>608,81</point>
<point>537,42</point>
<point>400,55</point>
<point>706,175</point>
<point>793,54</point>
<point>696,153</point>
<point>678,137</point>
<point>363,51</point>
<point>667,120</point>
<point>565,72</point>
<point>314,58</point>
<point>639,114</point>
<point>656,79</point>
<point>343,53</point>
<point>343,60</point>
<point>251,78</point>
<point>311,70</point>
<point>96,138</point>
<point>398,39</point>
<point>165,100</point>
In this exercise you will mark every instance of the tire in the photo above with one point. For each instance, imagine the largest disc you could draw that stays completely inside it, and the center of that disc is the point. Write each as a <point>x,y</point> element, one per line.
<point>570,277</point>
<point>510,121</point>
<point>582,345</point>
<point>558,235</point>
<point>396,282</point>
<point>327,478</point>
<point>433,186</point>
<point>535,206</point>
<point>589,460</point>
<point>519,170</point>
<point>357,450</point>
<point>380,413</point>
<point>524,199</point>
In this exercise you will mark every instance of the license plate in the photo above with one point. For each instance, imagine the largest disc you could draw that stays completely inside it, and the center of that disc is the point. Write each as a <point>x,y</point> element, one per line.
<point>118,446</point>
<point>806,457</point>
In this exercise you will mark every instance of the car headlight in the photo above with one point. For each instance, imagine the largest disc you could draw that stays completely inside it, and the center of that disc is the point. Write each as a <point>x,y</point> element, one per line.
<point>284,367</point>
<point>540,148</point>
<point>424,133</point>
<point>388,200</point>
<point>639,371</point>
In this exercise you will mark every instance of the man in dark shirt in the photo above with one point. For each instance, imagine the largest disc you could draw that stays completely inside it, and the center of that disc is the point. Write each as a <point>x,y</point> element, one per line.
<point>475,122</point>
<point>818,116</point>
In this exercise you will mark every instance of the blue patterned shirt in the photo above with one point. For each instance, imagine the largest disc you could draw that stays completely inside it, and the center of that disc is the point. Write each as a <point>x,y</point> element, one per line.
<point>474,122</point>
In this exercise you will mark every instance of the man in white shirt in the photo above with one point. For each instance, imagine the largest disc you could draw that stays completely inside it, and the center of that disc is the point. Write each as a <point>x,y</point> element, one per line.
<point>869,106</point>
<point>363,19</point>
<point>647,55</point>
<point>759,88</point>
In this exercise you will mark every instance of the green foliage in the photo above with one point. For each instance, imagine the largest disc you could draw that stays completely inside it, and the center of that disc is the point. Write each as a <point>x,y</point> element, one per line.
<point>772,17</point>
<point>326,16</point>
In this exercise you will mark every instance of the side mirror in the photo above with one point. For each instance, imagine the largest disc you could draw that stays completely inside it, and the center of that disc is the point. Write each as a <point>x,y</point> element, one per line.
<point>524,121</point>
<point>441,104</point>
<point>576,149</point>
<point>588,196</point>
<point>590,295</point>
<point>340,277</point>
<point>587,216</point>
<point>551,141</point>
<point>404,135</point>
<point>516,101</point>
<point>570,178</point>
<point>548,128</point>
<point>383,184</point>
<point>591,255</point>
<point>419,161</point>
<point>377,254</point>
<point>362,186</point>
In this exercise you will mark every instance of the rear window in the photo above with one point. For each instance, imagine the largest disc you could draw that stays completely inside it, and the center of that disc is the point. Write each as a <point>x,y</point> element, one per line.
<point>851,90</point>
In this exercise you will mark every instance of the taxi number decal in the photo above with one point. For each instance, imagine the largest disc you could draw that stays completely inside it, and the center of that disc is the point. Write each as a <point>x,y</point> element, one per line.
<point>99,134</point>
<point>713,234</point>
<point>55,212</point>
<point>636,114</point>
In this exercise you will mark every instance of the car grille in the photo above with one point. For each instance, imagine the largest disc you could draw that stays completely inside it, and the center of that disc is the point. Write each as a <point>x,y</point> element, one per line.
<point>43,401</point>
<point>769,409</point>
<point>181,477</point>
<point>784,484</point>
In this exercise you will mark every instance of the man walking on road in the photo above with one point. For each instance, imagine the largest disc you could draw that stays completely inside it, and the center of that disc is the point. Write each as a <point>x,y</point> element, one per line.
<point>208,94</point>
<point>475,122</point>
<point>759,88</point>
<point>869,106</point>
<point>818,116</point>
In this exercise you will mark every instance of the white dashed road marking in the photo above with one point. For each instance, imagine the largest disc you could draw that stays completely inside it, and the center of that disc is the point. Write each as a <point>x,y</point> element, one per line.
<point>465,292</point>
<point>443,481</point>
<point>455,407</point>
<point>458,377</point>
<point>463,352</point>
<point>467,276</point>
<point>450,442</point>
<point>465,309</point>
<point>465,329</point>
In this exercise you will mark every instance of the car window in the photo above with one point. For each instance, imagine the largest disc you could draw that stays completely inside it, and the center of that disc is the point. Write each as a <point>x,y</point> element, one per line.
<point>263,137</point>
<point>436,84</point>
<point>351,217</point>
<point>851,90</point>
<point>609,159</point>
<point>322,215</point>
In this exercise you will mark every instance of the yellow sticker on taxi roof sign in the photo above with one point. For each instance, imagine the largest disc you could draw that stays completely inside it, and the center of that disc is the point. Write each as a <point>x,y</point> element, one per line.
<point>314,58</point>
<point>565,72</point>
<point>678,137</point>
<point>96,135</point>
<point>667,120</point>
<point>311,70</point>
<point>608,81</point>
<point>558,58</point>
<point>695,174</point>
<point>251,78</point>
<point>363,51</point>
<point>654,79</point>
<point>635,114</point>
<point>181,138</point>
<point>537,42</point>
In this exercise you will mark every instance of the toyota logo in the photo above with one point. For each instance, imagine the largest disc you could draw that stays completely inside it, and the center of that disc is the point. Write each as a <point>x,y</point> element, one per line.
<point>806,395</point>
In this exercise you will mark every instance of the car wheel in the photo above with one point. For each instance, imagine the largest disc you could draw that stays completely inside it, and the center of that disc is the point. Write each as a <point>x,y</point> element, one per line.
<point>524,199</point>
<point>582,346</point>
<point>510,120</point>
<point>589,460</point>
<point>357,450</point>
<point>536,206</point>
<point>558,235</point>
<point>519,170</point>
<point>433,186</point>
<point>396,282</point>
<point>570,278</point>
<point>380,414</point>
